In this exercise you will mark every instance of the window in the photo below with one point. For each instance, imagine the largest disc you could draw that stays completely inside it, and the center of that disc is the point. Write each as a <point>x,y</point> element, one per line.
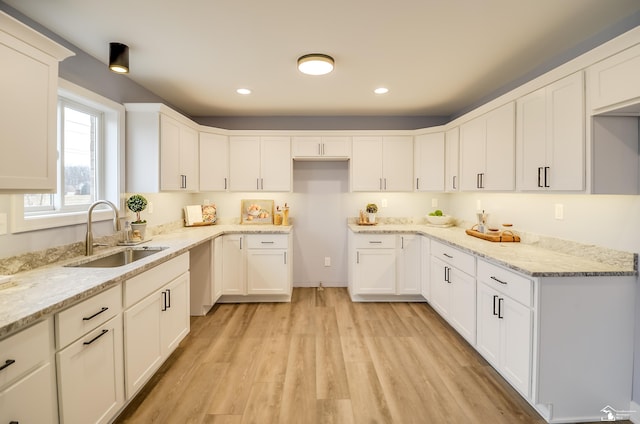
<point>79,146</point>
<point>90,163</point>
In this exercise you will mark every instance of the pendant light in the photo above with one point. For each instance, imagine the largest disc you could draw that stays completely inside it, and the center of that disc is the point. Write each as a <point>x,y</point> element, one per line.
<point>315,64</point>
<point>119,58</point>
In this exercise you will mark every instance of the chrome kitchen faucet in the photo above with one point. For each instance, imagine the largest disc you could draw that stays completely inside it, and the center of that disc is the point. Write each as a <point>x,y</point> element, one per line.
<point>116,223</point>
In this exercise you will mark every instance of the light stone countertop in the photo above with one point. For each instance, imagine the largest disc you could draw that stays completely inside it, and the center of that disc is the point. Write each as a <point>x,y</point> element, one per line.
<point>41,292</point>
<point>557,259</point>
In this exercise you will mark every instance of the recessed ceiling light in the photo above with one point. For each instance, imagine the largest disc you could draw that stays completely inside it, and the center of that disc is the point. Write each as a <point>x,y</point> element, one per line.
<point>381,90</point>
<point>243,91</point>
<point>315,64</point>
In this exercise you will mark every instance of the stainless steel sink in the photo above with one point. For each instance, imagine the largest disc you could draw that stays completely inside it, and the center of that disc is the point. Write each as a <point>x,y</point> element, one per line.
<point>121,258</point>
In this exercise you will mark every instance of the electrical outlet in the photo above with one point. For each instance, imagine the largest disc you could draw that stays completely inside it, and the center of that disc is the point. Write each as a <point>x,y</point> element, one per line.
<point>559,212</point>
<point>150,207</point>
<point>434,203</point>
<point>205,202</point>
<point>327,261</point>
<point>478,205</point>
<point>3,223</point>
<point>384,203</point>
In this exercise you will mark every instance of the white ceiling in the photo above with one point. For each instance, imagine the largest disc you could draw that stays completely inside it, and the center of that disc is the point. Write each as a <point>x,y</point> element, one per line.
<point>437,57</point>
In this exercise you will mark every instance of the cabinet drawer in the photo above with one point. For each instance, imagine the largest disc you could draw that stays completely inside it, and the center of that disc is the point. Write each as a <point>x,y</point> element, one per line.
<point>142,285</point>
<point>267,241</point>
<point>463,261</point>
<point>514,285</point>
<point>375,241</point>
<point>24,351</point>
<point>84,317</point>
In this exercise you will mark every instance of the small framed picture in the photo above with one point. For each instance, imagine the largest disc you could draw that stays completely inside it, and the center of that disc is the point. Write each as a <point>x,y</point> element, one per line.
<point>256,211</point>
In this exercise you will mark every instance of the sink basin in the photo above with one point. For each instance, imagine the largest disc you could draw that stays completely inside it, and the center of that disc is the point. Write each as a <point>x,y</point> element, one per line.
<point>121,258</point>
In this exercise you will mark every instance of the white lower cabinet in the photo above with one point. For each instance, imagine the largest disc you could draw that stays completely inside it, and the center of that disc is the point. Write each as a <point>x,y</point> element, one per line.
<point>156,319</point>
<point>505,325</point>
<point>27,376</point>
<point>385,266</point>
<point>453,288</point>
<point>255,266</point>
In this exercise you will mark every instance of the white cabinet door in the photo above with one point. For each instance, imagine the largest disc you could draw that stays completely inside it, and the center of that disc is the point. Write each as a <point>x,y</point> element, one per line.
<point>614,81</point>
<point>500,171</point>
<point>472,156</point>
<point>175,322</point>
<point>142,342</point>
<point>233,264</point>
<point>426,267</point>
<point>463,304</point>
<point>487,146</point>
<point>321,147</point>
<point>28,108</point>
<point>267,271</point>
<point>429,162</point>
<point>178,155</point>
<point>244,163</point>
<point>275,164</point>
<point>366,164</point>
<point>409,278</point>
<point>452,160</point>
<point>516,347</point>
<point>259,164</point>
<point>90,375</point>
<point>30,400</point>
<point>488,336</point>
<point>550,137</point>
<point>397,163</point>
<point>375,271</point>
<point>440,291</point>
<point>214,162</point>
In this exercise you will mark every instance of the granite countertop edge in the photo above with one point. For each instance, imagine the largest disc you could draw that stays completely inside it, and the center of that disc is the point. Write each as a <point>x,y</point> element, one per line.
<point>545,263</point>
<point>36,295</point>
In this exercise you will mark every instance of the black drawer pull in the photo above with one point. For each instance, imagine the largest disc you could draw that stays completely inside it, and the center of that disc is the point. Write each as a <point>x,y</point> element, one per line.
<point>96,337</point>
<point>7,363</point>
<point>499,281</point>
<point>104,308</point>
<point>448,256</point>
<point>375,242</point>
<point>267,242</point>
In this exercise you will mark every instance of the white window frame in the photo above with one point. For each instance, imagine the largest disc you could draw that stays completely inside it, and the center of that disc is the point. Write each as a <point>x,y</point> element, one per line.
<point>112,177</point>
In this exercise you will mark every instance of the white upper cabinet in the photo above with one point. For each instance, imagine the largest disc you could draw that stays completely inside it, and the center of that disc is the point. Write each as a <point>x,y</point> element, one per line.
<point>614,82</point>
<point>550,143</point>
<point>429,162</point>
<point>259,163</point>
<point>452,160</point>
<point>214,162</point>
<point>28,108</point>
<point>162,149</point>
<point>487,151</point>
<point>382,163</point>
<point>317,148</point>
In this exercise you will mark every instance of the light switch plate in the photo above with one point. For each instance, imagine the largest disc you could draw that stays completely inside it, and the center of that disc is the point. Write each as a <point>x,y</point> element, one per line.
<point>434,203</point>
<point>559,212</point>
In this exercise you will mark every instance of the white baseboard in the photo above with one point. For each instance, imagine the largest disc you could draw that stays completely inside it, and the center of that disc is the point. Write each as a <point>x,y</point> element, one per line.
<point>635,412</point>
<point>315,284</point>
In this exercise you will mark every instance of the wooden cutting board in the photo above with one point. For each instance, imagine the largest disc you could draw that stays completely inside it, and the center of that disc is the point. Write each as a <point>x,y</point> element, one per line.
<point>504,236</point>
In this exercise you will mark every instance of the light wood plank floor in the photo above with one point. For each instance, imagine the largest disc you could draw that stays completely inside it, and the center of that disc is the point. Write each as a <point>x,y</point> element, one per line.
<point>323,359</point>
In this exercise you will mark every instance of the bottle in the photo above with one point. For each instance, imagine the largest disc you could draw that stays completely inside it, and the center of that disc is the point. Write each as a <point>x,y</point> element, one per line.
<point>127,232</point>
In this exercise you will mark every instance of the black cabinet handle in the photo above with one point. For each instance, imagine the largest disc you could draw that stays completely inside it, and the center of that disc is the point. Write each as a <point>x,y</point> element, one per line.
<point>539,176</point>
<point>168,298</point>
<point>417,183</point>
<point>267,242</point>
<point>499,281</point>
<point>285,258</point>
<point>495,297</point>
<point>102,333</point>
<point>104,308</point>
<point>225,183</point>
<point>448,255</point>
<point>500,303</point>
<point>375,242</point>
<point>7,363</point>
<point>447,274</point>
<point>454,182</point>
<point>546,176</point>
<point>164,301</point>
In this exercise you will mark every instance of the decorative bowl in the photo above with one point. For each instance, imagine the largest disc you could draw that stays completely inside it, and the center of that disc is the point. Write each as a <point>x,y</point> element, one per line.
<point>439,220</point>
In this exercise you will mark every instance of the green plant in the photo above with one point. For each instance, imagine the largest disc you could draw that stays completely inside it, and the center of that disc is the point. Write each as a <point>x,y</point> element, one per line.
<point>137,203</point>
<point>437,212</point>
<point>372,208</point>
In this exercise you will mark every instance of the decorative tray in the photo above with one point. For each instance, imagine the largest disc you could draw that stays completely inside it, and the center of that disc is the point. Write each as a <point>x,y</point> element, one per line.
<point>200,224</point>
<point>503,236</point>
<point>367,223</point>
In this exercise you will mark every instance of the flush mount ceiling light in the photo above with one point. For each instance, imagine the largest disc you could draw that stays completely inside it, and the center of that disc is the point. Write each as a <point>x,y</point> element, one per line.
<point>243,91</point>
<point>315,64</point>
<point>381,90</point>
<point>119,58</point>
